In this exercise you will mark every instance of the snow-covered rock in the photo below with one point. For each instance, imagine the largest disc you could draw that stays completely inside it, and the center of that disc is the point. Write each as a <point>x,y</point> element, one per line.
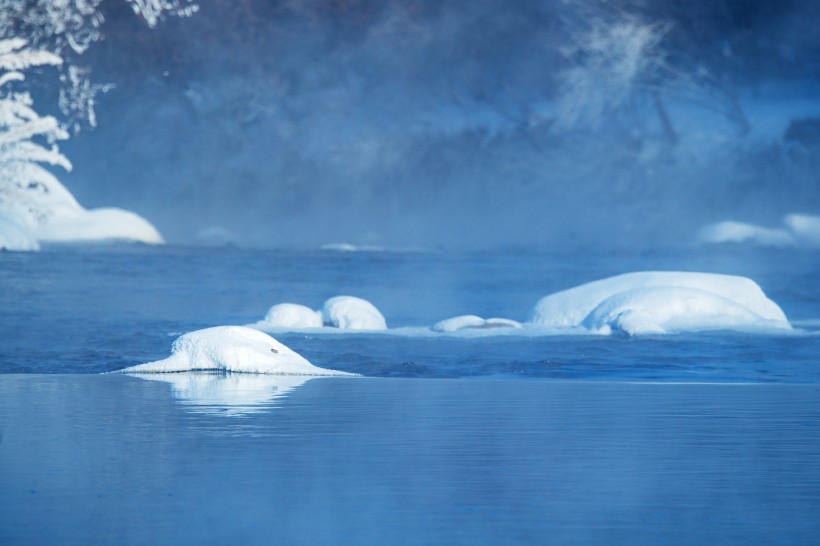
<point>16,235</point>
<point>660,302</point>
<point>467,322</point>
<point>351,313</point>
<point>291,315</point>
<point>228,394</point>
<point>231,349</point>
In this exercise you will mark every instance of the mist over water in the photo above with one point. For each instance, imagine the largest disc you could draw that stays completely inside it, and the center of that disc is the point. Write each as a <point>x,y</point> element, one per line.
<point>421,124</point>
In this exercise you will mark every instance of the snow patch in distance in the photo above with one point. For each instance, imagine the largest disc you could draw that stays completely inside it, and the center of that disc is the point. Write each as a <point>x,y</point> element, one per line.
<point>801,230</point>
<point>465,322</point>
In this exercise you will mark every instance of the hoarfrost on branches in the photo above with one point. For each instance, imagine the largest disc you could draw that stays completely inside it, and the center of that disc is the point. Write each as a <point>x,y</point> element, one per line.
<point>35,33</point>
<point>154,10</point>
<point>27,140</point>
<point>78,97</point>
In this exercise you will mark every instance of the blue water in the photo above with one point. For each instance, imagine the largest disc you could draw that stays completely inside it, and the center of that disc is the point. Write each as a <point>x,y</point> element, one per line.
<point>699,438</point>
<point>97,309</point>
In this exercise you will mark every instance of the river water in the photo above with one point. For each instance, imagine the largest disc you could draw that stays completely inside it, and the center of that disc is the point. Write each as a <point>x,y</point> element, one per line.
<point>514,439</point>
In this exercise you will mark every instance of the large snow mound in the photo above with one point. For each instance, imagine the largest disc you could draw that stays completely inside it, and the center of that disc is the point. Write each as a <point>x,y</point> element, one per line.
<point>472,322</point>
<point>291,315</point>
<point>34,198</point>
<point>351,313</point>
<point>661,302</point>
<point>800,230</point>
<point>99,225</point>
<point>231,349</point>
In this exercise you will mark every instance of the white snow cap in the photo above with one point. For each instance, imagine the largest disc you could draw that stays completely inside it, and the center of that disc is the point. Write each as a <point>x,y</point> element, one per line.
<point>465,322</point>
<point>231,349</point>
<point>292,315</point>
<point>350,313</point>
<point>661,302</point>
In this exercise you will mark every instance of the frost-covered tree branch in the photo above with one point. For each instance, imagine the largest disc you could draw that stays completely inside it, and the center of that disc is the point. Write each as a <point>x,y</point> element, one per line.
<point>67,28</point>
<point>620,68</point>
<point>33,203</point>
<point>154,10</point>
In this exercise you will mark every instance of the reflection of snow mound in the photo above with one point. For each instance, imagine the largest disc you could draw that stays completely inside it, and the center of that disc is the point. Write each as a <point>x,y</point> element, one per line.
<point>465,322</point>
<point>292,315</point>
<point>800,230</point>
<point>349,313</point>
<point>228,394</point>
<point>664,301</point>
<point>15,235</point>
<point>231,349</point>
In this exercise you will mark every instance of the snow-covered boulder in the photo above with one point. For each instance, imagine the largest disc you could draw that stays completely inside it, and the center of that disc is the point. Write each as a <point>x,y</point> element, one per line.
<point>660,302</point>
<point>470,322</point>
<point>292,315</point>
<point>231,349</point>
<point>16,235</point>
<point>351,313</point>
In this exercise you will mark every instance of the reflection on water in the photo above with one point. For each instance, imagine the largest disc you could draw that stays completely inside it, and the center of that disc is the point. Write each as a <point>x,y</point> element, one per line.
<point>229,394</point>
<point>110,459</point>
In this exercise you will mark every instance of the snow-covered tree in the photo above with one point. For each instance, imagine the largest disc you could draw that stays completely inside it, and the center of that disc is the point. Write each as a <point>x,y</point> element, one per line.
<point>28,141</point>
<point>42,33</point>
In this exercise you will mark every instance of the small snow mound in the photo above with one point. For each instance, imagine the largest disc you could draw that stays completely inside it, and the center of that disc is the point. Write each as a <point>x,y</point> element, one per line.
<point>661,301</point>
<point>231,349</point>
<point>351,313</point>
<point>465,322</point>
<point>292,315</point>
<point>739,232</point>
<point>104,224</point>
<point>15,235</point>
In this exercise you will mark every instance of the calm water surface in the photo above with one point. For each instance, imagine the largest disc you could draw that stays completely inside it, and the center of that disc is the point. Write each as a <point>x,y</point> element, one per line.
<point>114,459</point>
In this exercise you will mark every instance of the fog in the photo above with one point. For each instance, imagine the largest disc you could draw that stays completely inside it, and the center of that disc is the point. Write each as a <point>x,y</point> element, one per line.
<point>468,124</point>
